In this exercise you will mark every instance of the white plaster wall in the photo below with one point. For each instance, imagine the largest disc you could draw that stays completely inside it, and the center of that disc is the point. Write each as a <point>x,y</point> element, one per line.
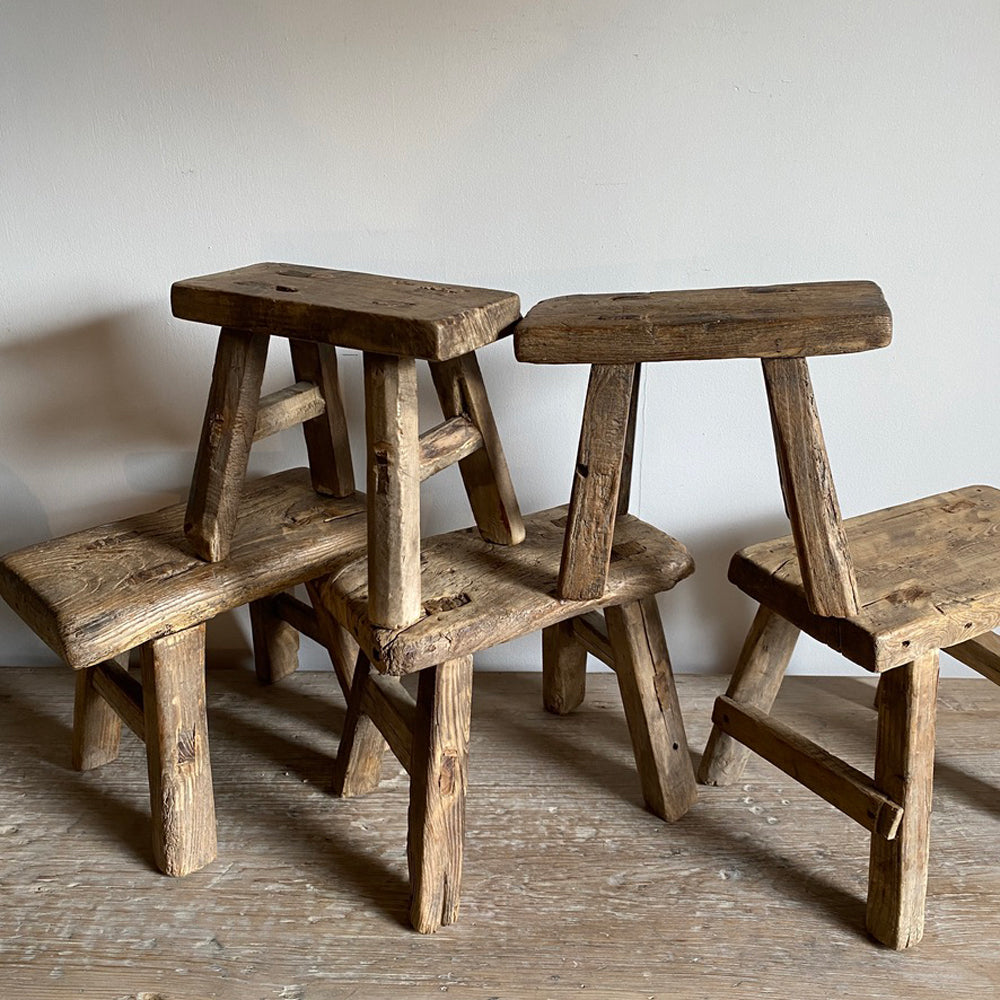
<point>547,147</point>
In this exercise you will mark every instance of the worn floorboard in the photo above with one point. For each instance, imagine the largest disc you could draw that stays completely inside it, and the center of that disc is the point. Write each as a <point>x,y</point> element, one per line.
<point>570,887</point>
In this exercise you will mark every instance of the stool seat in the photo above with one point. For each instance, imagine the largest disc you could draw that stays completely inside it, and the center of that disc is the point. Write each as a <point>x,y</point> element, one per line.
<point>927,575</point>
<point>775,321</point>
<point>476,594</point>
<point>95,594</point>
<point>368,312</point>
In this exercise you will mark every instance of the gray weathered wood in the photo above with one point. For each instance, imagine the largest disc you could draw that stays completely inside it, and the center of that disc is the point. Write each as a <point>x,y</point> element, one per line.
<point>904,771</point>
<point>358,767</point>
<point>446,444</point>
<point>775,321</point>
<point>288,407</point>
<point>123,692</point>
<point>226,436</point>
<point>97,728</point>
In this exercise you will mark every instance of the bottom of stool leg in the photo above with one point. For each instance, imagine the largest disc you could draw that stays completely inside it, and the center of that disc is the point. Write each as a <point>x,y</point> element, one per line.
<point>564,669</point>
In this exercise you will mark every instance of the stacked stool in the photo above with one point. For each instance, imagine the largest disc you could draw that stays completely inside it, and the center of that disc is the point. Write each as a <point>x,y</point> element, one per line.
<point>427,606</point>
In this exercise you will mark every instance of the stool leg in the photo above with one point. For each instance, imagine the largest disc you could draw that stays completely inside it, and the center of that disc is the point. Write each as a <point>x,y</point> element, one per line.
<point>759,671</point>
<point>358,767</point>
<point>275,643</point>
<point>904,770</point>
<point>461,391</point>
<point>594,502</point>
<point>97,727</point>
<point>180,776</point>
<point>651,708</point>
<point>438,781</point>
<point>226,436</point>
<point>564,669</point>
<point>339,642</point>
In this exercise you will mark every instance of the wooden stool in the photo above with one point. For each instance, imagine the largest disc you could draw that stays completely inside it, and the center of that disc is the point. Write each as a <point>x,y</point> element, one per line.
<point>887,589</point>
<point>97,594</point>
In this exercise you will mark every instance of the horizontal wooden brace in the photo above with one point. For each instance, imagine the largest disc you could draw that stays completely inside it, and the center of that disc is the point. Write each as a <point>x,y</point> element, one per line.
<point>295,404</point>
<point>446,444</point>
<point>845,787</point>
<point>298,614</point>
<point>123,693</point>
<point>981,653</point>
<point>391,707</point>
<point>590,632</point>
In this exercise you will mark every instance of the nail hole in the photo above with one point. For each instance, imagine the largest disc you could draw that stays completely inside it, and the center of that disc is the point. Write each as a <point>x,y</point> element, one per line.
<point>285,288</point>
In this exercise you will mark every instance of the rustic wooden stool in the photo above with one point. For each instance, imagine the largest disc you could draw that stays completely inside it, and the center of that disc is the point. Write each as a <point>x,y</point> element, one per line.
<point>428,606</point>
<point>94,595</point>
<point>887,589</point>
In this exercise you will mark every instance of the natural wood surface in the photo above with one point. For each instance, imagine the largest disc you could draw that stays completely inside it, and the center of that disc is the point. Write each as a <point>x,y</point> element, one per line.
<point>358,766</point>
<point>180,774</point>
<point>122,692</point>
<point>981,653</point>
<point>570,887</point>
<point>759,671</point>
<point>904,770</point>
<point>392,575</point>
<point>776,321</point>
<point>226,435</point>
<point>477,595</point>
<point>807,486</point>
<point>446,444</point>
<point>100,592</point>
<point>275,641</point>
<point>97,727</point>
<point>368,312</point>
<point>461,392</point>
<point>927,574</point>
<point>594,500</point>
<point>287,407</point>
<point>564,668</point>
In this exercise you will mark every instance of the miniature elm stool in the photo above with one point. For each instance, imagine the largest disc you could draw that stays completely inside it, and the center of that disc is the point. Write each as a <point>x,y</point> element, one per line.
<point>427,607</point>
<point>887,589</point>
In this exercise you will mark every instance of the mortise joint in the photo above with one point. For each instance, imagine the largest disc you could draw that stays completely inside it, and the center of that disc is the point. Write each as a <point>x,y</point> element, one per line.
<point>284,288</point>
<point>380,453</point>
<point>582,470</point>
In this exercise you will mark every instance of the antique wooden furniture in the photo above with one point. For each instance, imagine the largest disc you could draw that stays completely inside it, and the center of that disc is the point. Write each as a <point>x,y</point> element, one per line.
<point>428,607</point>
<point>887,589</point>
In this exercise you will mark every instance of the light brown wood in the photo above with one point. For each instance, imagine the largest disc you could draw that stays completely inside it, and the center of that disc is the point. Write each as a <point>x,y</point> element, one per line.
<point>591,632</point>
<point>904,770</point>
<point>564,669</point>
<point>367,312</point>
<point>594,503</point>
<point>123,692</point>
<point>100,592</point>
<point>807,484</point>
<point>843,786</point>
<point>327,440</point>
<point>928,577</point>
<point>755,682</point>
<point>339,642</point>
<point>180,776</point>
<point>392,578</point>
<point>652,710</point>
<point>288,407</point>
<point>477,595</point>
<point>758,892</point>
<point>981,653</point>
<point>438,781</point>
<point>275,642</point>
<point>446,444</point>
<point>625,480</point>
<point>226,436</point>
<point>97,728</point>
<point>358,767</point>
<point>461,392</point>
<point>774,321</point>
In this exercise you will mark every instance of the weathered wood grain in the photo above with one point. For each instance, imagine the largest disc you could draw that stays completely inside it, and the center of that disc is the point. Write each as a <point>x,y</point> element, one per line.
<point>438,782</point>
<point>594,501</point>
<point>807,485</point>
<point>982,654</point>
<point>564,669</point>
<point>591,632</point>
<point>461,392</point>
<point>100,592</point>
<point>275,642</point>
<point>927,574</point>
<point>776,321</point>
<point>446,444</point>
<point>393,563</point>
<point>904,770</point>
<point>628,453</point>
<point>288,407</point>
<point>367,312</point>
<point>226,436</point>
<point>123,692</point>
<point>358,767</point>
<point>97,728</point>
<point>755,682</point>
<point>477,595</point>
<point>180,775</point>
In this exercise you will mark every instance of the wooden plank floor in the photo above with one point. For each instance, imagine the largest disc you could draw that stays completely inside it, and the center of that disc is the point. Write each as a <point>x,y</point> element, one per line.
<point>571,889</point>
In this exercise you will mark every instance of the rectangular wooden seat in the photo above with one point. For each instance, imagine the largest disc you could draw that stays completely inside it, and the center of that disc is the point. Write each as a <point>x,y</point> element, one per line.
<point>926,574</point>
<point>775,321</point>
<point>368,312</point>
<point>95,594</point>
<point>476,595</point>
